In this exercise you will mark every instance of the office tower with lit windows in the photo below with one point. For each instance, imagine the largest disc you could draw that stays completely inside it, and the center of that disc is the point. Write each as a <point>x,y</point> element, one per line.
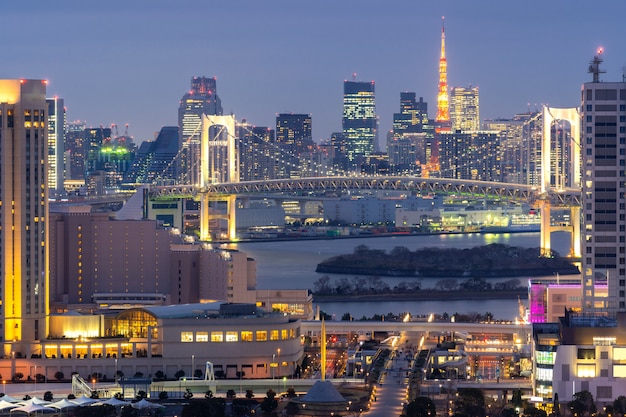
<point>258,155</point>
<point>75,150</point>
<point>464,109</point>
<point>603,136</point>
<point>201,99</point>
<point>294,133</point>
<point>359,122</point>
<point>23,213</point>
<point>470,155</point>
<point>412,130</point>
<point>56,146</point>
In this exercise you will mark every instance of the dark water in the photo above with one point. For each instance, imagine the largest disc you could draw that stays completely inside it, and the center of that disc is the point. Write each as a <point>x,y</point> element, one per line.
<point>291,265</point>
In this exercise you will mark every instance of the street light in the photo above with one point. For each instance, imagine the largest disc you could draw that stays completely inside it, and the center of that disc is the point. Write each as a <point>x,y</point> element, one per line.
<point>193,357</point>
<point>116,381</point>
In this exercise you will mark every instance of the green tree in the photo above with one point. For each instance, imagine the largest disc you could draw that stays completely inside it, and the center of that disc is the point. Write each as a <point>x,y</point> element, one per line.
<point>249,394</point>
<point>619,405</point>
<point>471,402</point>
<point>420,407</point>
<point>582,404</point>
<point>269,403</point>
<point>534,412</point>
<point>48,396</point>
<point>58,375</point>
<point>231,394</point>
<point>159,375</point>
<point>163,395</point>
<point>179,374</point>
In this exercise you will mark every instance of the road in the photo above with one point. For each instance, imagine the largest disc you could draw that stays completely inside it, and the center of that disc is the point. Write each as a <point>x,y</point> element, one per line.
<point>390,395</point>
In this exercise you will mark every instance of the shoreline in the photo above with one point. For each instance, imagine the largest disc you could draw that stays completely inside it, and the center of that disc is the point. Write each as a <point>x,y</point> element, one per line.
<point>368,236</point>
<point>424,295</point>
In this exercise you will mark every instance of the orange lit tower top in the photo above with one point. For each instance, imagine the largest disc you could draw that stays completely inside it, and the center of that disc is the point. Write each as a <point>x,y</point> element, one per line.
<point>443,112</point>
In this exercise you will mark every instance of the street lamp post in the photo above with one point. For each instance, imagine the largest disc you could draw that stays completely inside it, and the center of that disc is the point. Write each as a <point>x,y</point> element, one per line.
<point>115,377</point>
<point>193,357</point>
<point>272,364</point>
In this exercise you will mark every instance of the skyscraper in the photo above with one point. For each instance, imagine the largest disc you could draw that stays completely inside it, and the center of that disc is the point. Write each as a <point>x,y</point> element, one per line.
<point>464,109</point>
<point>406,144</point>
<point>359,120</point>
<point>75,150</point>
<point>201,99</point>
<point>56,145</point>
<point>23,212</point>
<point>294,133</point>
<point>603,111</point>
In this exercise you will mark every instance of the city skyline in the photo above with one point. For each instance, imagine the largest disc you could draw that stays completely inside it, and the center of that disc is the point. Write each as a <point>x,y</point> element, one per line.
<point>119,63</point>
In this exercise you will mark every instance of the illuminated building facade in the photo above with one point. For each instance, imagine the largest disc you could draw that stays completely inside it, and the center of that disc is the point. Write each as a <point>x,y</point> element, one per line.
<point>464,109</point>
<point>57,125</point>
<point>360,126</point>
<point>410,143</point>
<point>154,160</point>
<point>23,212</point>
<point>201,99</point>
<point>294,133</point>
<point>603,111</point>
<point>259,156</point>
<point>470,155</point>
<point>75,150</point>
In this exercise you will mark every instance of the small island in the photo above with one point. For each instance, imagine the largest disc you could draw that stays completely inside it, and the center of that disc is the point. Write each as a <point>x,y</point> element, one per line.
<point>489,261</point>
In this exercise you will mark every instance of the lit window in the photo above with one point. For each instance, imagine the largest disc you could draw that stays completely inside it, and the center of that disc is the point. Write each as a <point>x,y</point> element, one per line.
<point>274,335</point>
<point>283,334</point>
<point>246,336</point>
<point>232,337</point>
<point>202,337</point>
<point>186,337</point>
<point>217,336</point>
<point>586,371</point>
<point>261,336</point>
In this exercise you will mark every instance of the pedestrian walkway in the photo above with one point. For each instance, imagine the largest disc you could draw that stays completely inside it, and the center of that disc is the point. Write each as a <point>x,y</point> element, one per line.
<point>390,395</point>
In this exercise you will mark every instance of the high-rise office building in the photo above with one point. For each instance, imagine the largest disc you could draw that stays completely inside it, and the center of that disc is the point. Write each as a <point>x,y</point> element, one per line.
<point>464,109</point>
<point>603,111</point>
<point>201,99</point>
<point>359,121</point>
<point>75,150</point>
<point>259,156</point>
<point>411,131</point>
<point>294,133</point>
<point>57,125</point>
<point>470,155</point>
<point>23,212</point>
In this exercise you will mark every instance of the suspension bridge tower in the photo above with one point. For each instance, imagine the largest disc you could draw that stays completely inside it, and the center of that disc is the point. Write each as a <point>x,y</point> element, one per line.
<point>560,168</point>
<point>218,164</point>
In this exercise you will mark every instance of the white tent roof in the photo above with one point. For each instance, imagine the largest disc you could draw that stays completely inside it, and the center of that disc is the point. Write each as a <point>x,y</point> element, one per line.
<point>64,403</point>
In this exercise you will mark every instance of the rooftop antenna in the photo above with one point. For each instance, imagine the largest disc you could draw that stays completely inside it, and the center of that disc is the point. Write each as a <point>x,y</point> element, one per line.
<point>594,67</point>
<point>624,74</point>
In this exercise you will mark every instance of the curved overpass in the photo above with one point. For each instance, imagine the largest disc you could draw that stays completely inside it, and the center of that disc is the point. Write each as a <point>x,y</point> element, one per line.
<point>418,185</point>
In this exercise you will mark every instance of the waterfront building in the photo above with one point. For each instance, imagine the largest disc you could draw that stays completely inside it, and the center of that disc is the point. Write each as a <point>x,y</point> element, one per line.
<point>360,126</point>
<point>24,241</point>
<point>240,340</point>
<point>464,109</point>
<point>57,125</point>
<point>201,99</point>
<point>550,298</point>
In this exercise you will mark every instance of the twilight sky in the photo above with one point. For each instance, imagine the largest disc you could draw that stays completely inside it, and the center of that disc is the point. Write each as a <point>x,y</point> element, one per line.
<point>131,61</point>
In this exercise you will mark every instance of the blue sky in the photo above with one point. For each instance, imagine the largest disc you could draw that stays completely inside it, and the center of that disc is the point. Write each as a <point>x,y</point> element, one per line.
<point>131,61</point>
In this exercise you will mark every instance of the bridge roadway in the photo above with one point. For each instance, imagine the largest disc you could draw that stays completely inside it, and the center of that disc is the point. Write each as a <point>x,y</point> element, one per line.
<point>313,327</point>
<point>565,197</point>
